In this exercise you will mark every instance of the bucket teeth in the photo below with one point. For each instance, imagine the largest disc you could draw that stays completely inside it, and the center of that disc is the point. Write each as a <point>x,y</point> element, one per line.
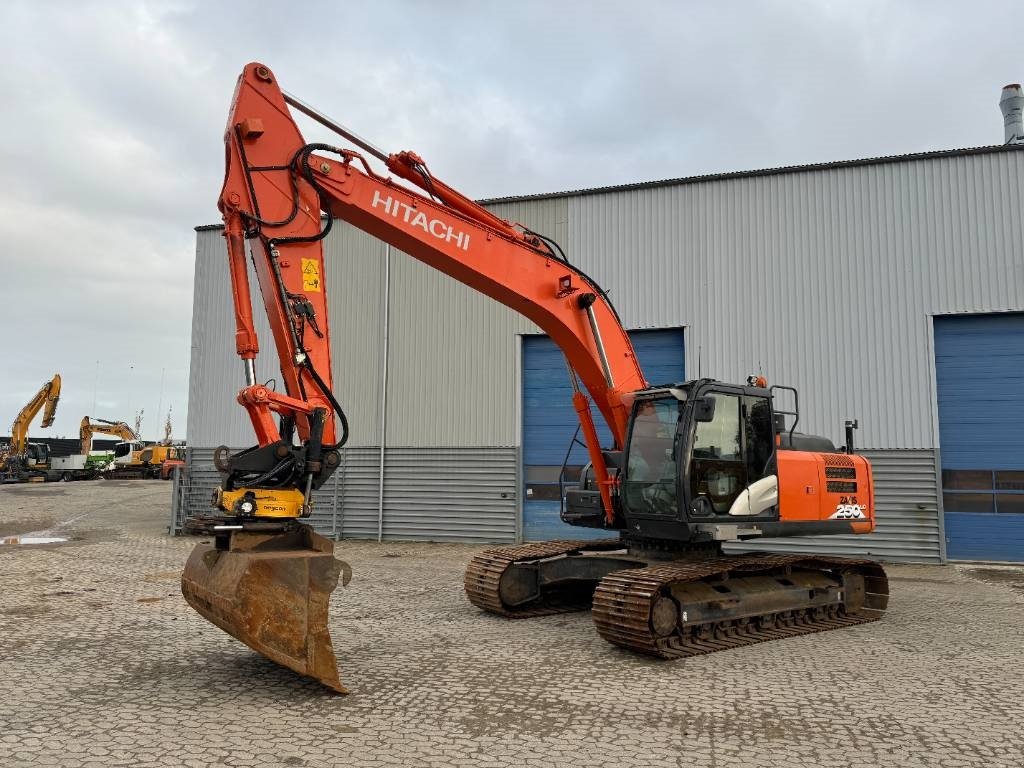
<point>271,591</point>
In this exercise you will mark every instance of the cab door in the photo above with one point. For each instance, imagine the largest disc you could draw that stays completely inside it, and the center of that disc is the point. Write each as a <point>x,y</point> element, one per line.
<point>732,447</point>
<point>651,485</point>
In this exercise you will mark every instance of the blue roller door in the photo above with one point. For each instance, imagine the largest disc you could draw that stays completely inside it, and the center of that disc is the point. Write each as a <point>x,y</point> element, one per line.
<point>979,361</point>
<point>549,422</point>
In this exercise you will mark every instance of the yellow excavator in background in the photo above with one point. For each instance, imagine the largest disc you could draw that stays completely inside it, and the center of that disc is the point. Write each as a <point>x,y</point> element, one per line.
<point>24,461</point>
<point>91,426</point>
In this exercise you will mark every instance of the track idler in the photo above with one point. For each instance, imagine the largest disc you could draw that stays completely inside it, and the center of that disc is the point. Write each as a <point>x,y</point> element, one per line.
<point>271,589</point>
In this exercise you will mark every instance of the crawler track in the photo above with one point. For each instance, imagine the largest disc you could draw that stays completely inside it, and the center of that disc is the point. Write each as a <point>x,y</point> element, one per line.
<point>624,602</point>
<point>483,575</point>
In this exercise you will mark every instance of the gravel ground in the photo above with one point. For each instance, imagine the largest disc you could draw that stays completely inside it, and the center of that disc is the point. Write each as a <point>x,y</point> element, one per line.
<point>104,664</point>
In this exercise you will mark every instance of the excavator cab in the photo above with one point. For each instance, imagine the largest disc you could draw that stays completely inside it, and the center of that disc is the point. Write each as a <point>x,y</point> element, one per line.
<point>37,455</point>
<point>702,462</point>
<point>703,452</point>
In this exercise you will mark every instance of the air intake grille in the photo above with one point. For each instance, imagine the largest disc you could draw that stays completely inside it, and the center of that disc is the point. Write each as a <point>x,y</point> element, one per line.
<point>841,486</point>
<point>842,473</point>
<point>837,460</point>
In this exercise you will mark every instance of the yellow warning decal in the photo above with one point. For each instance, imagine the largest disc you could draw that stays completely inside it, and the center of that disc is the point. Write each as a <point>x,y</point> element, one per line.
<point>310,275</point>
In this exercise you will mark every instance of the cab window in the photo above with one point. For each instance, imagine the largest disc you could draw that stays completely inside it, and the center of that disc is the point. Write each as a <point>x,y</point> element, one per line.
<point>651,470</point>
<point>717,471</point>
<point>720,437</point>
<point>730,452</point>
<point>759,437</point>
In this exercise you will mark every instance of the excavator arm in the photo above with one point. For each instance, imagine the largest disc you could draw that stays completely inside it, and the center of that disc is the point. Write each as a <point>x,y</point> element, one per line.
<point>275,190</point>
<point>90,427</point>
<point>45,399</point>
<point>267,578</point>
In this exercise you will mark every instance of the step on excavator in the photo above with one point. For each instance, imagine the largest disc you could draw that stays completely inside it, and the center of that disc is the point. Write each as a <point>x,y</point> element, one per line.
<point>691,465</point>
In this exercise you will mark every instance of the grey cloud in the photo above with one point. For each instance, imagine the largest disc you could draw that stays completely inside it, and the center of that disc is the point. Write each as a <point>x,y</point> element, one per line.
<point>111,146</point>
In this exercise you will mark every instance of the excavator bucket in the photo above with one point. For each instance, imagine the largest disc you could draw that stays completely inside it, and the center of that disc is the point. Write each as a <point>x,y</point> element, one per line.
<point>271,591</point>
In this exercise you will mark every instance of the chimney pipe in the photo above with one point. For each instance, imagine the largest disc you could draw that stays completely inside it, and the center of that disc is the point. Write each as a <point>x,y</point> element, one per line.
<point>1012,104</point>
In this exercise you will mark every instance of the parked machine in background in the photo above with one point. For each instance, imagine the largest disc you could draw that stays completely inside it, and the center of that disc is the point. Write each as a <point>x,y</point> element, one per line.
<point>691,465</point>
<point>160,459</point>
<point>86,464</point>
<point>174,458</point>
<point>136,459</point>
<point>92,426</point>
<point>23,461</point>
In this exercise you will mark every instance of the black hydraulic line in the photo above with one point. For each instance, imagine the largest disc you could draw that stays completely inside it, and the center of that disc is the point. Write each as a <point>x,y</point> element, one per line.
<point>561,473</point>
<point>255,215</point>
<point>281,465</point>
<point>565,260</point>
<point>302,157</point>
<point>334,402</point>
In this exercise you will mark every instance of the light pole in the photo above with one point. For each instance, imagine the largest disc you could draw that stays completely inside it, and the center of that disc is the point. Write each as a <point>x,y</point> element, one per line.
<point>160,402</point>
<point>131,388</point>
<point>95,385</point>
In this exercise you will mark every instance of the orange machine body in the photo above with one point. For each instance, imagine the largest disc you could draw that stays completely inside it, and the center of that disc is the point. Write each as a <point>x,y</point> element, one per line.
<point>820,487</point>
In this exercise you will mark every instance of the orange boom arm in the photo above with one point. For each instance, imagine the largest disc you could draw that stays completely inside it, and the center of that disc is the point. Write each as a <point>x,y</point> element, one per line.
<point>276,186</point>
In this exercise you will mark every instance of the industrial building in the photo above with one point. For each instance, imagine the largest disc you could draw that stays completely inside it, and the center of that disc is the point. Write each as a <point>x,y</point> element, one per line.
<point>888,290</point>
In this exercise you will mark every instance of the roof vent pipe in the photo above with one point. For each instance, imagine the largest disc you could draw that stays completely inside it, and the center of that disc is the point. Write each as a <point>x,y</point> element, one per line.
<point>1012,104</point>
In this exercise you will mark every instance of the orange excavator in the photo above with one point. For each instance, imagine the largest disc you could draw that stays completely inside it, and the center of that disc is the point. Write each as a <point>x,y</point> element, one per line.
<point>691,464</point>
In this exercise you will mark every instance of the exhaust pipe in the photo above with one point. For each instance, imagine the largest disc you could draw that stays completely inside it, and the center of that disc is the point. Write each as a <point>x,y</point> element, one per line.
<point>1012,106</point>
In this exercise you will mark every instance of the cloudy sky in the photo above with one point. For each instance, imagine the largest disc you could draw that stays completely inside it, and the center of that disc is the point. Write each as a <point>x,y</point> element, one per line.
<point>114,111</point>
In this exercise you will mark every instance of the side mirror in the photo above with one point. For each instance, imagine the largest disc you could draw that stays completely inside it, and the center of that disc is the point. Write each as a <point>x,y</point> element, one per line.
<point>704,409</point>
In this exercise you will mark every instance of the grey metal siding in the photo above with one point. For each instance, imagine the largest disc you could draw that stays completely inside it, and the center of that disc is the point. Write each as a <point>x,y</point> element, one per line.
<point>358,488</point>
<point>450,494</point>
<point>824,280</point>
<point>907,516</point>
<point>453,363</point>
<point>215,372</point>
<point>353,278</point>
<point>440,494</point>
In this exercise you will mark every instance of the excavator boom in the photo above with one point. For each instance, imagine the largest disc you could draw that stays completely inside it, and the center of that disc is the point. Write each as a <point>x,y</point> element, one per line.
<point>45,399</point>
<point>93,426</point>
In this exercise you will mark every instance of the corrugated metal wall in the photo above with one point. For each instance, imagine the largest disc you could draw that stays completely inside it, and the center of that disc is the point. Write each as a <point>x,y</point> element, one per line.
<point>453,366</point>
<point>906,508</point>
<point>354,267</point>
<point>824,279</point>
<point>442,494</point>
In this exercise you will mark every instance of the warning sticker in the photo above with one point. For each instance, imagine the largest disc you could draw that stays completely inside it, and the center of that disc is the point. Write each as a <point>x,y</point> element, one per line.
<point>310,275</point>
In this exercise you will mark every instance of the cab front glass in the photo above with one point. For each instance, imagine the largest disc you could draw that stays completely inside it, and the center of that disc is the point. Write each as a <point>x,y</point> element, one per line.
<point>651,483</point>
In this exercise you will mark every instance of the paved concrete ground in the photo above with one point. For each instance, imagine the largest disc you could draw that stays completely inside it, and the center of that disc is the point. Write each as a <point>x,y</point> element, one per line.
<point>104,664</point>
